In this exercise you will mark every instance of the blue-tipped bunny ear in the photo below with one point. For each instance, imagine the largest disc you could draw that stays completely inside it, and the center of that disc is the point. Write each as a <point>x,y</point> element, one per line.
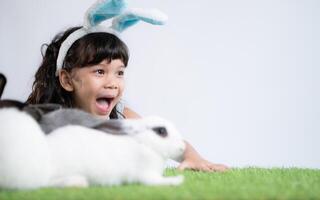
<point>134,15</point>
<point>103,10</point>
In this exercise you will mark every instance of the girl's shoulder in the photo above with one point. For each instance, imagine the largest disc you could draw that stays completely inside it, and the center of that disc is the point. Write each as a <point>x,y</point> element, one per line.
<point>126,112</point>
<point>130,114</point>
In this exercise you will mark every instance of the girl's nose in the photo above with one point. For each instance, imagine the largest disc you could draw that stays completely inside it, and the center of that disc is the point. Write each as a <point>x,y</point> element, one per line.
<point>111,81</point>
<point>111,86</point>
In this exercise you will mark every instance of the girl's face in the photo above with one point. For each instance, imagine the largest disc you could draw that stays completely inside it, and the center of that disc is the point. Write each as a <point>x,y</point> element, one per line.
<point>97,89</point>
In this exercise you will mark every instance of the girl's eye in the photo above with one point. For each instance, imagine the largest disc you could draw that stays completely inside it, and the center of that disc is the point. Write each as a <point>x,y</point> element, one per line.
<point>99,71</point>
<point>121,73</point>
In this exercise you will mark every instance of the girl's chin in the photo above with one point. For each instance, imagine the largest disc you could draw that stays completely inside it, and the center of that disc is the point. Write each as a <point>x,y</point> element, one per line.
<point>98,113</point>
<point>104,114</point>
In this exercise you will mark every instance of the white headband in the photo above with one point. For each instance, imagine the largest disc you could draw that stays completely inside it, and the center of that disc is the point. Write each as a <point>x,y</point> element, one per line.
<point>67,43</point>
<point>103,10</point>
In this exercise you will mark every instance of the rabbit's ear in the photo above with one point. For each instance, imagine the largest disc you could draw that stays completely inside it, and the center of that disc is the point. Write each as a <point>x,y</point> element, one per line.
<point>121,127</point>
<point>3,82</point>
<point>134,15</point>
<point>103,10</point>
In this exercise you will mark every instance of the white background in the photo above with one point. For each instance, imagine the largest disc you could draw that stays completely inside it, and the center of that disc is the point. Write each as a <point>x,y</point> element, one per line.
<point>240,79</point>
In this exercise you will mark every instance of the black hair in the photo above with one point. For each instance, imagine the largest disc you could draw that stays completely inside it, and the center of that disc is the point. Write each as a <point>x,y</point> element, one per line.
<point>89,50</point>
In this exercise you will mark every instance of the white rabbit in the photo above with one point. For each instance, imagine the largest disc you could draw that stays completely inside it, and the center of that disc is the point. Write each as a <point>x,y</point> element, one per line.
<point>78,156</point>
<point>25,159</point>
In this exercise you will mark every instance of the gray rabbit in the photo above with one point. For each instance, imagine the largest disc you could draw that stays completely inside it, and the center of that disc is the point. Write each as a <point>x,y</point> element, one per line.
<point>74,155</point>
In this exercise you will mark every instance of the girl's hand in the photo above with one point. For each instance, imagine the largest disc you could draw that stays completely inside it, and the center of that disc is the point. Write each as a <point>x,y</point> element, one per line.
<point>199,164</point>
<point>192,160</point>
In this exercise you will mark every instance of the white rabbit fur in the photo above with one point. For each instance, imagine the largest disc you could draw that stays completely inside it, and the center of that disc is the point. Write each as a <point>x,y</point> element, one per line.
<point>79,156</point>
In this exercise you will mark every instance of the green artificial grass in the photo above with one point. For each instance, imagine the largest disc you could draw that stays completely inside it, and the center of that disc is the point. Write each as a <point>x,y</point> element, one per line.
<point>246,183</point>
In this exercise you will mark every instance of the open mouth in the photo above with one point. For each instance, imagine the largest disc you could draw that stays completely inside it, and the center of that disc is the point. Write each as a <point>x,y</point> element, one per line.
<point>104,104</point>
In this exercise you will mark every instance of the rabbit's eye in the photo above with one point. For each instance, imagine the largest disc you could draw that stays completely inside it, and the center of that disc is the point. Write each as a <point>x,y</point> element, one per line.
<point>161,131</point>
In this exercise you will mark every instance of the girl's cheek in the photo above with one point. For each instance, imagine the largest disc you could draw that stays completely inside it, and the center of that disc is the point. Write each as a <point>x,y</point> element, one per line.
<point>122,84</point>
<point>122,87</point>
<point>78,82</point>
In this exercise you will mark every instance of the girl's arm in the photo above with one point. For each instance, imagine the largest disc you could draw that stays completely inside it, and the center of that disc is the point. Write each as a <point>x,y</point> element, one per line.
<point>192,159</point>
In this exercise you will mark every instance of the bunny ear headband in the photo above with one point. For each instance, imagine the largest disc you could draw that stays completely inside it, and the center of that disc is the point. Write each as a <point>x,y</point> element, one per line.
<point>106,9</point>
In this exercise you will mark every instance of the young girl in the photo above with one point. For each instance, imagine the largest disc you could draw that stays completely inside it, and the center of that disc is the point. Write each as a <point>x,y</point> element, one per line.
<point>92,79</point>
